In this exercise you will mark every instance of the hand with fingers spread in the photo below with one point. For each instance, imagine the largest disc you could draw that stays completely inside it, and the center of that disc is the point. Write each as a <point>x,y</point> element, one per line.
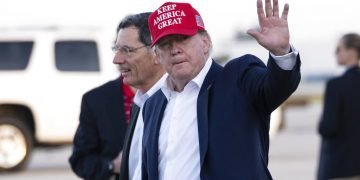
<point>274,31</point>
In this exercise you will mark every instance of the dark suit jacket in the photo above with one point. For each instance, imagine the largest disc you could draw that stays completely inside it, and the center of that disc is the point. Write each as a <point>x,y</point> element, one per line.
<point>124,169</point>
<point>340,127</point>
<point>99,137</point>
<point>233,110</point>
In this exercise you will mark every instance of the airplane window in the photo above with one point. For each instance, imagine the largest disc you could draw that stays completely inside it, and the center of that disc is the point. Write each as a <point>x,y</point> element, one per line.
<point>15,55</point>
<point>76,56</point>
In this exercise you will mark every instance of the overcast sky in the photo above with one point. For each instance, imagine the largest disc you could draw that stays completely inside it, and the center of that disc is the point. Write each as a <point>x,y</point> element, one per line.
<point>307,18</point>
<point>318,21</point>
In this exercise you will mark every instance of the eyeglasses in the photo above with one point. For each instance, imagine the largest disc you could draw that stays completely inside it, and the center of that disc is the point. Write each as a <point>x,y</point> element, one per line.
<point>125,49</point>
<point>165,43</point>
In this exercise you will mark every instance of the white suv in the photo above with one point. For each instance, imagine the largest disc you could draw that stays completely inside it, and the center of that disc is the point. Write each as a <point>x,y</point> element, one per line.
<point>43,74</point>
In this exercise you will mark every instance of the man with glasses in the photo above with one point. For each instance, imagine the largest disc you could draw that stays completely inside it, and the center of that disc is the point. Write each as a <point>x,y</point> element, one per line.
<point>208,121</point>
<point>99,141</point>
<point>141,69</point>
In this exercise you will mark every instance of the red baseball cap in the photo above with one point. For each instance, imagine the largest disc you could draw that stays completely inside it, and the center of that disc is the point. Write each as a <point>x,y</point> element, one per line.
<point>174,18</point>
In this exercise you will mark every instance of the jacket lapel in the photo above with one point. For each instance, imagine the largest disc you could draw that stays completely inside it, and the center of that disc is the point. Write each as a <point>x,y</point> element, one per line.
<point>153,115</point>
<point>202,109</point>
<point>124,169</point>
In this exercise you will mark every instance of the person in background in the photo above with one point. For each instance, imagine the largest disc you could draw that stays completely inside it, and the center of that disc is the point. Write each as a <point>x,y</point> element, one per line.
<point>99,139</point>
<point>141,69</point>
<point>339,126</point>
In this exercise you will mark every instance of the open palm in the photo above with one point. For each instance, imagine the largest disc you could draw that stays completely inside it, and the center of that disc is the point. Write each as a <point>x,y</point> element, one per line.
<point>274,31</point>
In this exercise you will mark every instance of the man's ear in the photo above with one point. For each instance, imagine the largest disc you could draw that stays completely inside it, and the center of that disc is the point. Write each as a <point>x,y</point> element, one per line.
<point>156,58</point>
<point>206,43</point>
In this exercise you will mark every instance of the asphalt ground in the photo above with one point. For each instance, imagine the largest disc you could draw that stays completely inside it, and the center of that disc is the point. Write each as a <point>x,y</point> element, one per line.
<point>293,152</point>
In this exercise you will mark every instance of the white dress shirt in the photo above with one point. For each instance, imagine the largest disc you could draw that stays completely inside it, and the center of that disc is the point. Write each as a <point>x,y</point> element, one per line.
<point>136,142</point>
<point>179,153</point>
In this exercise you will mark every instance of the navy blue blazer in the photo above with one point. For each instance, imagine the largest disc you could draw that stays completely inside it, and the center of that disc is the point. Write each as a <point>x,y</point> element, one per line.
<point>124,169</point>
<point>233,109</point>
<point>100,134</point>
<point>340,127</point>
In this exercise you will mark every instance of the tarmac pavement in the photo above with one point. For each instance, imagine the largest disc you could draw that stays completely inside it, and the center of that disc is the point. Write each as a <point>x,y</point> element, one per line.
<point>293,152</point>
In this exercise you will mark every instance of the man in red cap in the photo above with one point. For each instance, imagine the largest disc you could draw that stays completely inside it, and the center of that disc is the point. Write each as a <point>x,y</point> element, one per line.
<point>208,121</point>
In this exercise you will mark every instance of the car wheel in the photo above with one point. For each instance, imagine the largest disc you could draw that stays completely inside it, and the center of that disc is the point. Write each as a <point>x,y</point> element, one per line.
<point>16,142</point>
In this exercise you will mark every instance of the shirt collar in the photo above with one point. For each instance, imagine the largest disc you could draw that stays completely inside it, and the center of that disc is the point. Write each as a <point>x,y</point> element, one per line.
<point>198,80</point>
<point>141,97</point>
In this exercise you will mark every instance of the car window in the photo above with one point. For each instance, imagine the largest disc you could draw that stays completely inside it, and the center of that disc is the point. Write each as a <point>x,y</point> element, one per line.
<point>76,56</point>
<point>15,55</point>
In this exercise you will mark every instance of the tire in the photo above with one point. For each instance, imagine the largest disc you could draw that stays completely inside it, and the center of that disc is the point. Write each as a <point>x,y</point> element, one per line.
<point>16,143</point>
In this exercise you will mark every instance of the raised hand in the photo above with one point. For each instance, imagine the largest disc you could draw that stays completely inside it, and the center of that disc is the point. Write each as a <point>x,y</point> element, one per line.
<point>274,31</point>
